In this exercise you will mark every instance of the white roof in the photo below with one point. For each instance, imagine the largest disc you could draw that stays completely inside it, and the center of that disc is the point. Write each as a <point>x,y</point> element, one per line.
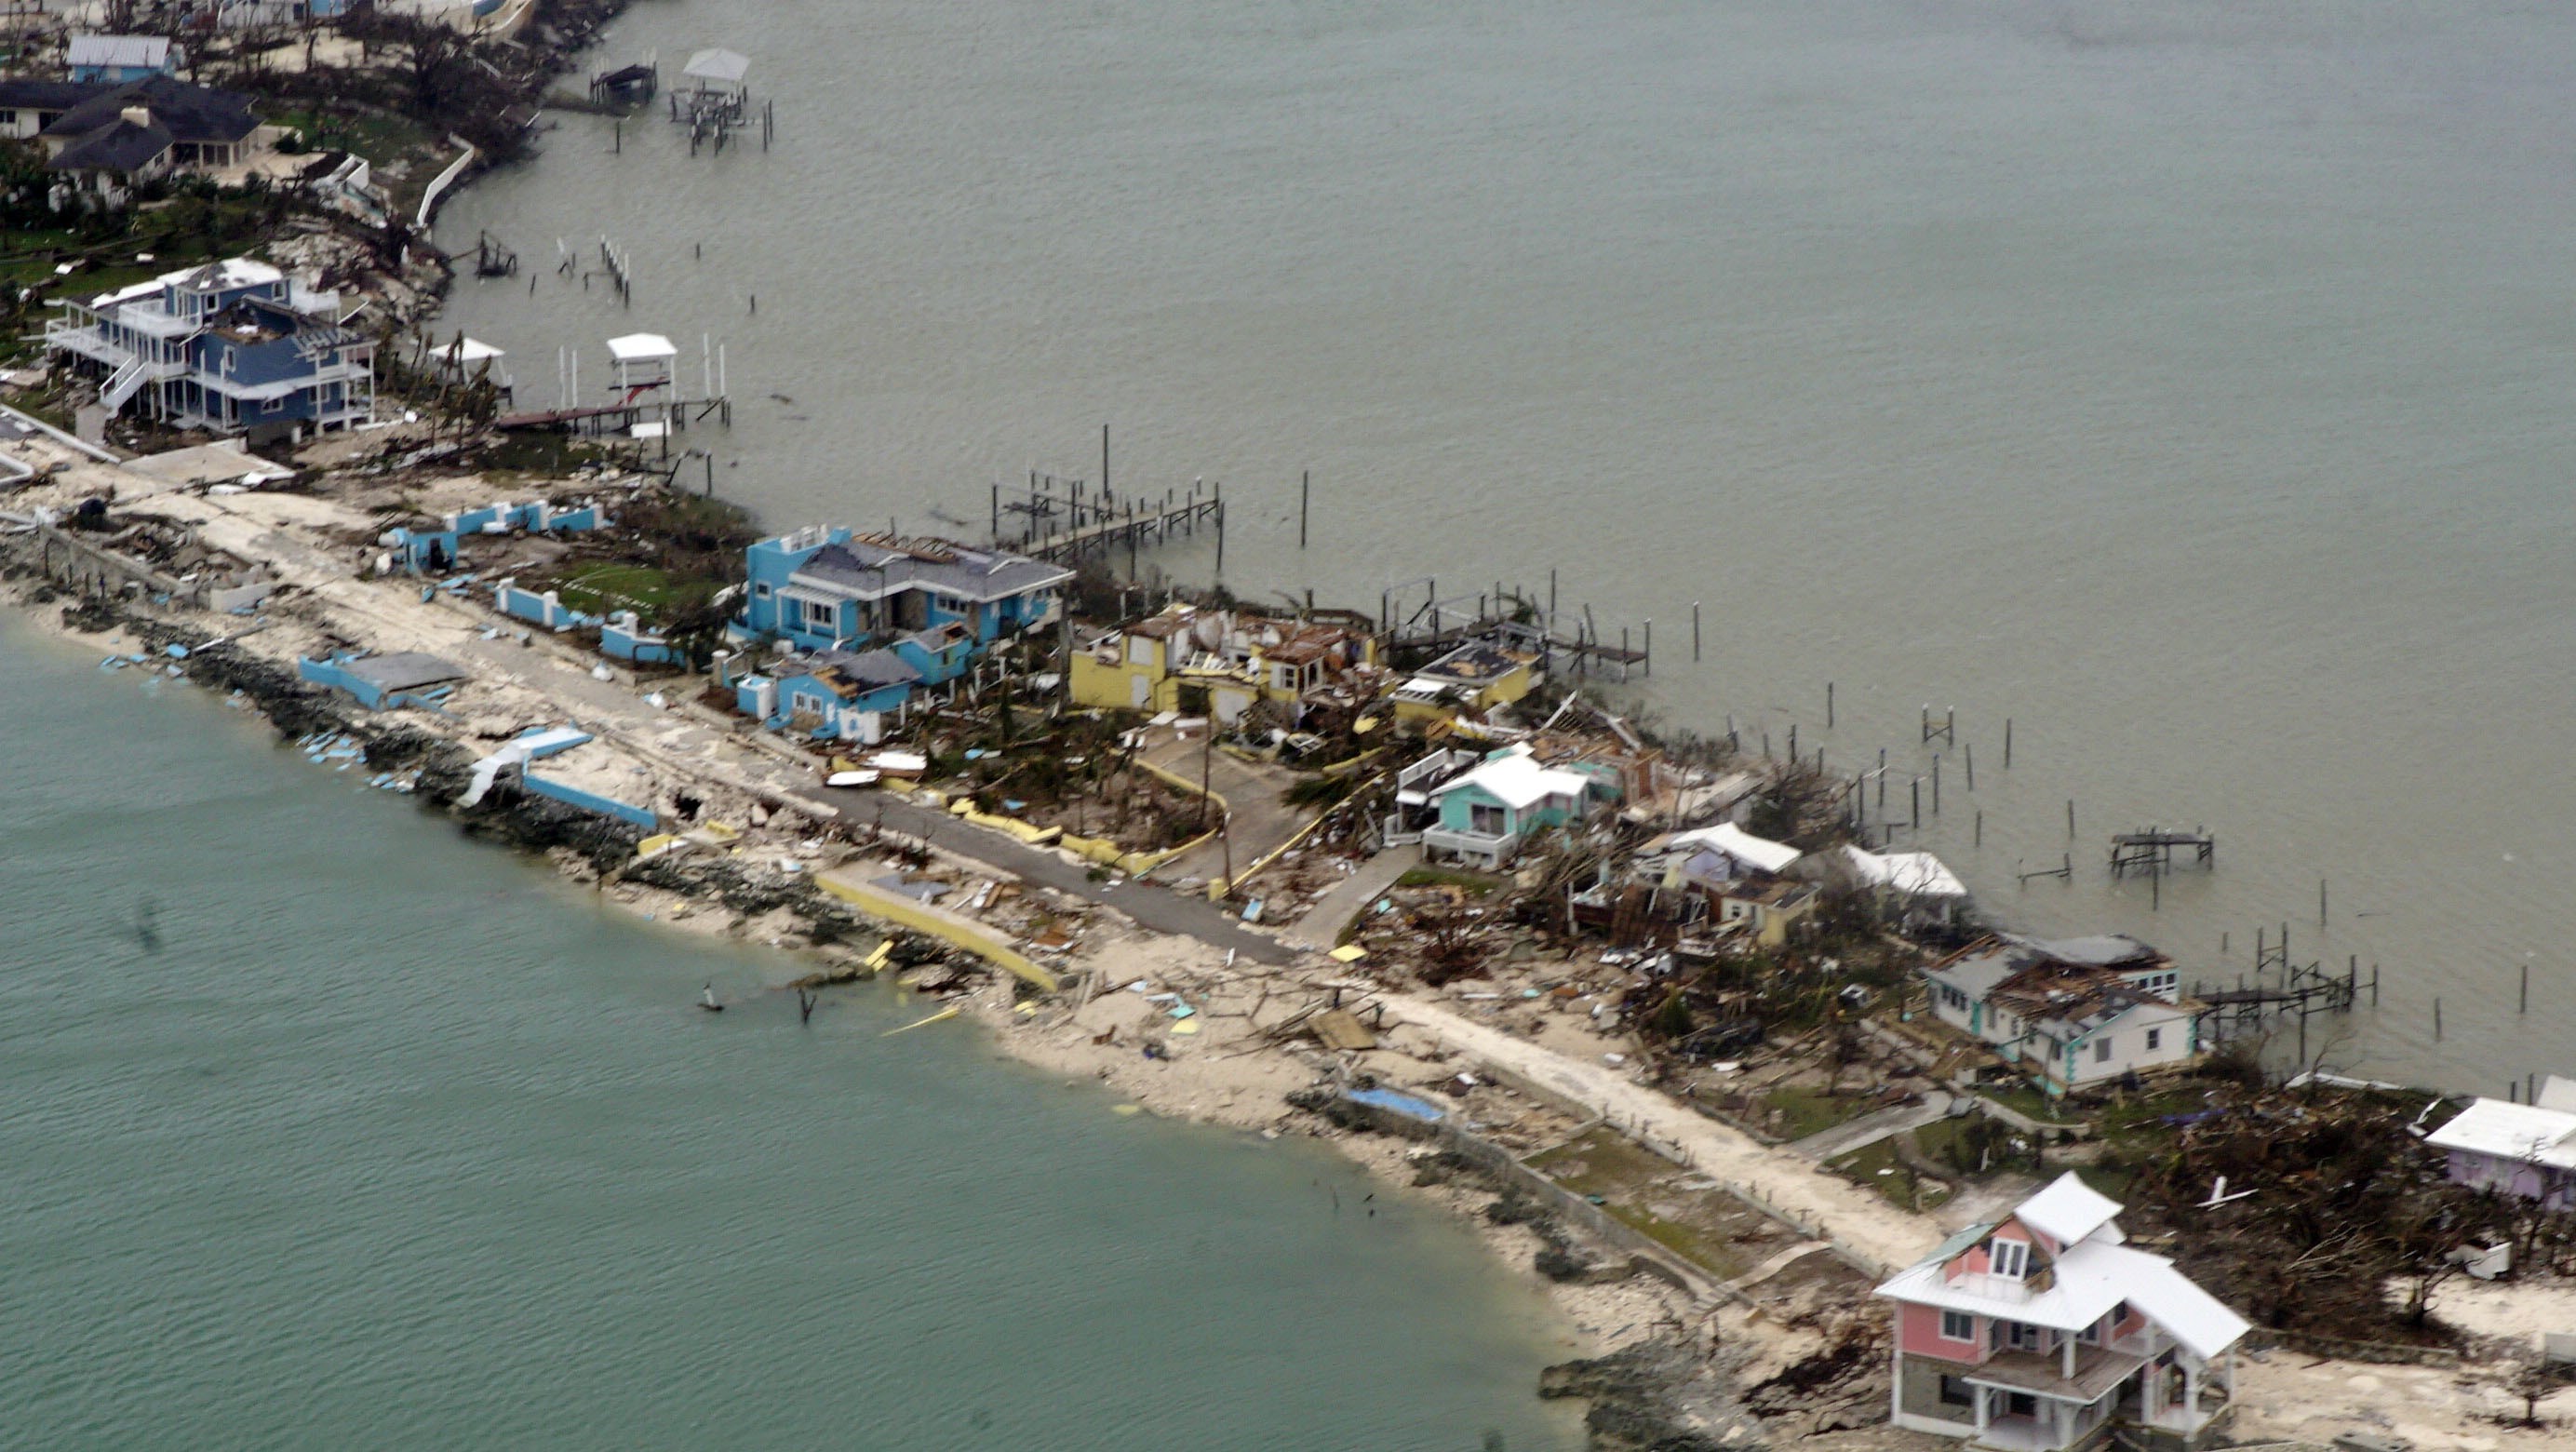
<point>1518,781</point>
<point>1917,874</point>
<point>2511,1131</point>
<point>118,51</point>
<point>230,273</point>
<point>726,66</point>
<point>2557,1093</point>
<point>1743,846</point>
<point>636,346</point>
<point>2090,1279</point>
<point>2069,1211</point>
<point>468,351</point>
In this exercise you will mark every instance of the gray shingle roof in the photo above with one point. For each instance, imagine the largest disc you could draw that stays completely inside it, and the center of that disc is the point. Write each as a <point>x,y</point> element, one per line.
<point>874,571</point>
<point>119,146</point>
<point>190,113</point>
<point>17,93</point>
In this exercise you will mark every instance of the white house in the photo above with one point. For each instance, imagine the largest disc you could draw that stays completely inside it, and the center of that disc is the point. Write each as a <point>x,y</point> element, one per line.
<point>2076,1011</point>
<point>2527,1150</point>
<point>2039,1330</point>
<point>1910,885</point>
<point>1739,853</point>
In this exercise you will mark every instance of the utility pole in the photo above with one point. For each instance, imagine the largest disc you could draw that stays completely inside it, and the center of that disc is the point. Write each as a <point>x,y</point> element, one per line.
<point>1207,760</point>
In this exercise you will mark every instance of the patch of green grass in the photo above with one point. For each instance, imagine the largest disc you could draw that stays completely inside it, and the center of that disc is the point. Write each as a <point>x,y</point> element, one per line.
<point>2026,1099</point>
<point>1636,1187</point>
<point>1811,1111</point>
<point>1875,1166</point>
<point>597,589</point>
<point>1609,1161</point>
<point>379,136</point>
<point>539,452</point>
<point>1477,884</point>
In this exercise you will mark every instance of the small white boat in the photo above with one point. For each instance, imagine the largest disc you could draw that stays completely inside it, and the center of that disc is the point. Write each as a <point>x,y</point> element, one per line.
<point>851,779</point>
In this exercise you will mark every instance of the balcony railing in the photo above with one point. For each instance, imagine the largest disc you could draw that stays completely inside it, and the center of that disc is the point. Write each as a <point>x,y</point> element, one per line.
<point>1497,845</point>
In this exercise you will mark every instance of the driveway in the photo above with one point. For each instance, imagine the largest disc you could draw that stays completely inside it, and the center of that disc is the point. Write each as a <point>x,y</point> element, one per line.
<point>1256,820</point>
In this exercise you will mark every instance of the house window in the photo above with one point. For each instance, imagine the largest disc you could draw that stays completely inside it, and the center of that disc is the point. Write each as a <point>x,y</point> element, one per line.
<point>1486,821</point>
<point>819,615</point>
<point>1958,1326</point>
<point>1955,1392</point>
<point>2155,1039</point>
<point>761,590</point>
<point>2102,1049</point>
<point>2009,1258</point>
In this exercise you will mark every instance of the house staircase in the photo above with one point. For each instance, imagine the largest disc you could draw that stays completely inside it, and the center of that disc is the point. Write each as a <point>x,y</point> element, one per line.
<point>123,384</point>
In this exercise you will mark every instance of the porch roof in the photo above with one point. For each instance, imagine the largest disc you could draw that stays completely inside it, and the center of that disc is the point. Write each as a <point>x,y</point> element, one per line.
<point>2098,1372</point>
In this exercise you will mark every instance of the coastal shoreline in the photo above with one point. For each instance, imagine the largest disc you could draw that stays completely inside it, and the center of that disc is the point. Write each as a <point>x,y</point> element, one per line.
<point>1242,1092</point>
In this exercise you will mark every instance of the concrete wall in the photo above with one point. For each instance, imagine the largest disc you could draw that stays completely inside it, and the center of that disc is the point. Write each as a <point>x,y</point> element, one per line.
<point>948,927</point>
<point>588,801</point>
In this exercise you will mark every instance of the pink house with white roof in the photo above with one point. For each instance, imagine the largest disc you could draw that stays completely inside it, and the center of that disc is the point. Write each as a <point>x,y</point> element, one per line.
<point>2043,1330</point>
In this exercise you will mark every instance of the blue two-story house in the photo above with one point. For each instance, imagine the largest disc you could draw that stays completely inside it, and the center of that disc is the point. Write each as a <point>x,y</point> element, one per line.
<point>828,589</point>
<point>233,346</point>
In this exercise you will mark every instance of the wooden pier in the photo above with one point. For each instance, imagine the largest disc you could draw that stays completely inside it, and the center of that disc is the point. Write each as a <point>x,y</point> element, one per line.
<point>675,413</point>
<point>2153,850</point>
<point>1515,616</point>
<point>2255,1005</point>
<point>1066,521</point>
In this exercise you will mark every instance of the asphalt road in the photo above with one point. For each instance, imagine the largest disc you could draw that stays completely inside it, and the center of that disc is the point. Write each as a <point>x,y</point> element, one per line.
<point>1151,907</point>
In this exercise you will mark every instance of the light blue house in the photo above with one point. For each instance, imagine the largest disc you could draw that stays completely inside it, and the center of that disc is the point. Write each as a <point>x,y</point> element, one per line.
<point>827,589</point>
<point>1486,814</point>
<point>434,551</point>
<point>833,696</point>
<point>118,59</point>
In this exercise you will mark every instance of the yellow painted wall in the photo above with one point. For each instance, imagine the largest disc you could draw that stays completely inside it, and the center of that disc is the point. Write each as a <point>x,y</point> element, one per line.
<point>946,926</point>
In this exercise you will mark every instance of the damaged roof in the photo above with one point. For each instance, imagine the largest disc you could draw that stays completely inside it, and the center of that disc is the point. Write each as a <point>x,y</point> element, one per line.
<point>1475,664</point>
<point>871,569</point>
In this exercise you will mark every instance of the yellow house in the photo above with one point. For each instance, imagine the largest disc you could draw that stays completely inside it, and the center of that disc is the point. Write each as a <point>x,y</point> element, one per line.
<point>1238,660</point>
<point>1468,681</point>
<point>1768,907</point>
<point>1133,669</point>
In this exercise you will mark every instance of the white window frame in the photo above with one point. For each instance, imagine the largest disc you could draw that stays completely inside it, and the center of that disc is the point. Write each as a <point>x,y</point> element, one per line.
<point>1968,1322</point>
<point>2008,1258</point>
<point>2155,1040</point>
<point>2102,1049</point>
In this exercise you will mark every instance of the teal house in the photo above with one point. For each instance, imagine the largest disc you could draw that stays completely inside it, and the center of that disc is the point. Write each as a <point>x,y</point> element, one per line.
<point>1486,814</point>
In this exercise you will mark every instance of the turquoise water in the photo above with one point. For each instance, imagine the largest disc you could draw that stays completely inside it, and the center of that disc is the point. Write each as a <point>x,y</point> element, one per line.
<point>397,1141</point>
